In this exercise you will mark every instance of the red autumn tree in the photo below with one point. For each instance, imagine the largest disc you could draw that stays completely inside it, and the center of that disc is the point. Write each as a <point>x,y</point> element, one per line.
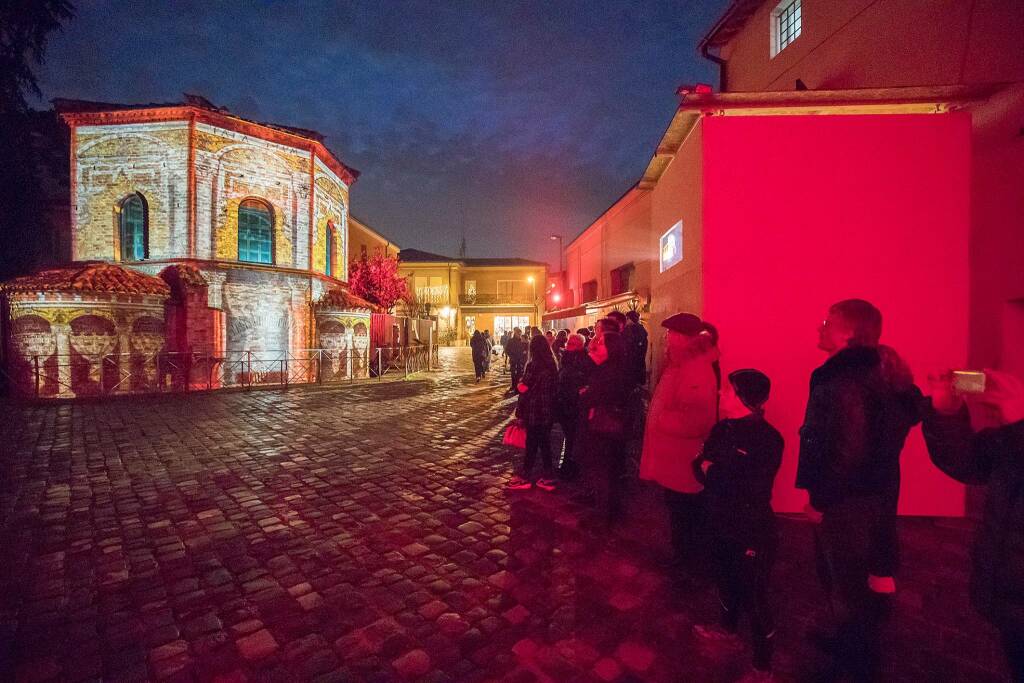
<point>376,279</point>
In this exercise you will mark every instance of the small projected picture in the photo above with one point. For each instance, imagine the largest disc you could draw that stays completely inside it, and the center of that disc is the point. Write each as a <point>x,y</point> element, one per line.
<point>671,247</point>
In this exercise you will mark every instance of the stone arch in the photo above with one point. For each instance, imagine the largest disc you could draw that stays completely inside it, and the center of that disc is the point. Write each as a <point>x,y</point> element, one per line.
<point>93,340</point>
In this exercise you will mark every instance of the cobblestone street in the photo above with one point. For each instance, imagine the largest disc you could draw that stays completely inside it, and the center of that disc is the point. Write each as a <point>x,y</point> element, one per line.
<point>363,533</point>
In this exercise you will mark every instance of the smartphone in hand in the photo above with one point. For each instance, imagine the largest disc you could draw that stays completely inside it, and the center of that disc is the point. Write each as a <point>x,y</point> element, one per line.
<point>968,382</point>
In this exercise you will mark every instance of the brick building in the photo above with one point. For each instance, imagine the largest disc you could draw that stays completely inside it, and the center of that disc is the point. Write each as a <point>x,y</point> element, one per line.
<point>236,230</point>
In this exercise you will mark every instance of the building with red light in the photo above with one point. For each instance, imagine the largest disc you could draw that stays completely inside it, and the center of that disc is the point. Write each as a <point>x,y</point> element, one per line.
<point>836,161</point>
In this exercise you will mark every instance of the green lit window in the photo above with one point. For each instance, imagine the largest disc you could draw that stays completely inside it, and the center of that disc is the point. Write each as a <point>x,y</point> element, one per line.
<point>329,256</point>
<point>255,234</point>
<point>134,236</point>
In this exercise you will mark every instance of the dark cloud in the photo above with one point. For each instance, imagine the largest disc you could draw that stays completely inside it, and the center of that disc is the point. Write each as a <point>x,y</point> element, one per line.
<point>508,121</point>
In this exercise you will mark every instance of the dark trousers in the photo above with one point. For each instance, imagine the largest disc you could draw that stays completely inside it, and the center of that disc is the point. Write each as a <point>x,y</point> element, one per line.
<point>517,373</point>
<point>847,547</point>
<point>480,366</point>
<point>538,438</point>
<point>884,552</point>
<point>742,572</point>
<point>1013,646</point>
<point>687,520</point>
<point>604,467</point>
<point>569,424</point>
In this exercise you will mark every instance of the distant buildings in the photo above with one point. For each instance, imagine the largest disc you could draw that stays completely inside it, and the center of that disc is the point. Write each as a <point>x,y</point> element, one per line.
<point>468,294</point>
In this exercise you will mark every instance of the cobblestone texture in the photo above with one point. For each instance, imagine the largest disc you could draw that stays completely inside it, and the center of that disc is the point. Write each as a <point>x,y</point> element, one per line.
<point>362,533</point>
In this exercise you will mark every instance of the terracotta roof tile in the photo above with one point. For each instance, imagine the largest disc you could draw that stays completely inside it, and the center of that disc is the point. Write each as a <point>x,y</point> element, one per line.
<point>89,277</point>
<point>342,298</point>
<point>184,273</point>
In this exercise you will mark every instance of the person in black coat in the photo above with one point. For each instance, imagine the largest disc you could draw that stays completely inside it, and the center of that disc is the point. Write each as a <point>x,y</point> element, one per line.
<point>995,457</point>
<point>537,398</point>
<point>489,342</point>
<point>635,336</point>
<point>573,372</point>
<point>478,346</point>
<point>737,466</point>
<point>856,423</point>
<point>516,352</point>
<point>605,424</point>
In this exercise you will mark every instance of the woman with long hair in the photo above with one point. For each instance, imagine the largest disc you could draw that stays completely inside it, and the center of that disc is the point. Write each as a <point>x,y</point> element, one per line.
<point>537,395</point>
<point>605,424</point>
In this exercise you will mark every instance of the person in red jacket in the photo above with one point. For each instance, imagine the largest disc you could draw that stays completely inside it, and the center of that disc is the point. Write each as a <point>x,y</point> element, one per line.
<point>682,412</point>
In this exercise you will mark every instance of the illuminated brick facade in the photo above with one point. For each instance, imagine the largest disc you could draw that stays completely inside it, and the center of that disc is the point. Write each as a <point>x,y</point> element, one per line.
<point>161,190</point>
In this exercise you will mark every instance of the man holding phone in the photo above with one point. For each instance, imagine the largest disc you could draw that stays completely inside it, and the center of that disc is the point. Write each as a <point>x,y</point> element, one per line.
<point>995,457</point>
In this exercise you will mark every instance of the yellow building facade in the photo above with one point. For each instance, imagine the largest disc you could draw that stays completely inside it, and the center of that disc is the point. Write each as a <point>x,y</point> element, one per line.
<point>364,241</point>
<point>470,294</point>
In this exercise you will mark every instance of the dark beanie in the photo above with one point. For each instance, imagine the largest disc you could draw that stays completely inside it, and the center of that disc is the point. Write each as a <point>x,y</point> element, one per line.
<point>751,387</point>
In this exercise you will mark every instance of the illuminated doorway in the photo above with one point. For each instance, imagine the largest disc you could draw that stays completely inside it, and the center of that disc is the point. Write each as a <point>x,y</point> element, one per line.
<point>505,323</point>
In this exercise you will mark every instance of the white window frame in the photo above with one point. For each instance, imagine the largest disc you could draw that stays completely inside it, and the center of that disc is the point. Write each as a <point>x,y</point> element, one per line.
<point>776,25</point>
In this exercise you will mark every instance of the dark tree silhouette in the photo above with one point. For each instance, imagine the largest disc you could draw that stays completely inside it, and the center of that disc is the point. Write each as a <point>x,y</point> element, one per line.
<point>31,177</point>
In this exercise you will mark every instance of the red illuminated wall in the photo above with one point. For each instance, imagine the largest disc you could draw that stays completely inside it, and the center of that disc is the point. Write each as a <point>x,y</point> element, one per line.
<point>802,211</point>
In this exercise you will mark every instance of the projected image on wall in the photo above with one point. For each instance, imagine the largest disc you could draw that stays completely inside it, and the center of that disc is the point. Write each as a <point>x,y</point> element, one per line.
<point>671,248</point>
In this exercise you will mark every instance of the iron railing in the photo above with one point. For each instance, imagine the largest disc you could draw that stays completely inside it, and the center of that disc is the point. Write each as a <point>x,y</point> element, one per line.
<point>482,299</point>
<point>81,375</point>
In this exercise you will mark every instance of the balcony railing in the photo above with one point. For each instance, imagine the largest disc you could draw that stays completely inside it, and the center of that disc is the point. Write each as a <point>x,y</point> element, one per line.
<point>437,294</point>
<point>500,299</point>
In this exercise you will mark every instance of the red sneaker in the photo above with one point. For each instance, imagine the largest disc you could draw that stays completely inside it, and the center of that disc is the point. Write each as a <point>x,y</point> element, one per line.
<point>519,484</point>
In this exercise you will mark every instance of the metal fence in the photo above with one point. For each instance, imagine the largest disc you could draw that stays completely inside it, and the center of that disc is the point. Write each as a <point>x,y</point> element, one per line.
<point>81,375</point>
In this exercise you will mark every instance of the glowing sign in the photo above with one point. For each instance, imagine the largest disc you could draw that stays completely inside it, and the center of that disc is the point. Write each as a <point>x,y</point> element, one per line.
<point>671,247</point>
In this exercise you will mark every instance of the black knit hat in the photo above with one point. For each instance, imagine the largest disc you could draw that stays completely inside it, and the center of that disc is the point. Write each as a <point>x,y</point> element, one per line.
<point>751,386</point>
<point>684,323</point>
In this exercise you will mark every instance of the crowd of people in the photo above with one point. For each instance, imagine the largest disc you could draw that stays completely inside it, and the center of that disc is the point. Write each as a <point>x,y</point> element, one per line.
<point>708,445</point>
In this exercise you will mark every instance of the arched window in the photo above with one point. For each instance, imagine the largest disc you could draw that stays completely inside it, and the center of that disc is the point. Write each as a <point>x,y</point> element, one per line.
<point>255,232</point>
<point>134,229</point>
<point>329,255</point>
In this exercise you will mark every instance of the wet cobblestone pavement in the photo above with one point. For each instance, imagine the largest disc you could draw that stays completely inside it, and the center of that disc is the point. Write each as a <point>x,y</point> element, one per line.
<point>362,533</point>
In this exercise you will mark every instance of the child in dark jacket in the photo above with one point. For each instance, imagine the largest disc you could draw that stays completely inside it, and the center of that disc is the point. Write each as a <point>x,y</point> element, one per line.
<point>737,467</point>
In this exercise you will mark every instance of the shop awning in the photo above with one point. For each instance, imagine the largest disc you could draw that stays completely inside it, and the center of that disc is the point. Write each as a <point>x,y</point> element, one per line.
<point>564,313</point>
<point>599,307</point>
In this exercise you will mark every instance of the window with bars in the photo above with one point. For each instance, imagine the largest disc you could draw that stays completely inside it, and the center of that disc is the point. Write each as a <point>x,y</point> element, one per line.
<point>786,24</point>
<point>134,229</point>
<point>255,232</point>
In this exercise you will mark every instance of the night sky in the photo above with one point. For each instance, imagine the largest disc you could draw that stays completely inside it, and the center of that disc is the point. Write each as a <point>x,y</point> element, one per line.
<point>508,120</point>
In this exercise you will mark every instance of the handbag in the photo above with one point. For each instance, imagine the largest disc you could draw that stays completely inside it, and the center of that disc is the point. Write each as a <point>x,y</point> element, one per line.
<point>608,421</point>
<point>515,434</point>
